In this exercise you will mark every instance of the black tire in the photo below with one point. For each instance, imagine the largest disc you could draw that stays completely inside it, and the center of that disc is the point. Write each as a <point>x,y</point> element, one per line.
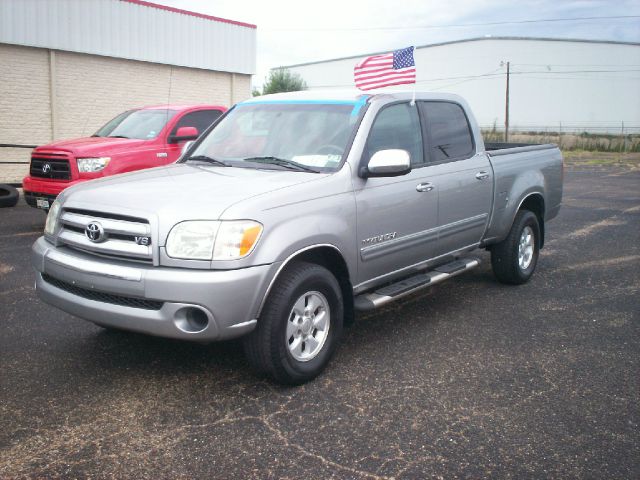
<point>267,348</point>
<point>504,255</point>
<point>8,196</point>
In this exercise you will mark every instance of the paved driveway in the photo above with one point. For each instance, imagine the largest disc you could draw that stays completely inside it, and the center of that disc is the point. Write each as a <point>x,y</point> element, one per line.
<point>470,379</point>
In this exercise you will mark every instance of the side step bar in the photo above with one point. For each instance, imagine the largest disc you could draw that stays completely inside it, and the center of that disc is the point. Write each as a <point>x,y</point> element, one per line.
<point>409,285</point>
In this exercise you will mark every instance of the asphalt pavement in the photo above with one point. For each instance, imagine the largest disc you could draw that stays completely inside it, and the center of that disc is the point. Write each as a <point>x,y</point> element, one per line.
<point>469,379</point>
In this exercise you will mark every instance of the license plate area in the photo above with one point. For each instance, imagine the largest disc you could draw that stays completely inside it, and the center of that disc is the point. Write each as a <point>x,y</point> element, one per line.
<point>42,203</point>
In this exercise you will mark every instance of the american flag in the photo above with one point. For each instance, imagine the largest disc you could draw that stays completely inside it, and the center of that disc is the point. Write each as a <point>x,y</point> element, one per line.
<point>397,68</point>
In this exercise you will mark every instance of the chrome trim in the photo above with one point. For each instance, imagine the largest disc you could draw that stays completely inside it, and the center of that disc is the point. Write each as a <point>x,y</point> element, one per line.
<point>462,225</point>
<point>112,247</point>
<point>371,283</point>
<point>284,263</point>
<point>437,277</point>
<point>120,227</point>
<point>371,252</point>
<point>242,325</point>
<point>87,266</point>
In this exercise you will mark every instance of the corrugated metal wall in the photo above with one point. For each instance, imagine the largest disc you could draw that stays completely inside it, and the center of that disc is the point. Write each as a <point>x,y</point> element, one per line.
<point>556,85</point>
<point>129,30</point>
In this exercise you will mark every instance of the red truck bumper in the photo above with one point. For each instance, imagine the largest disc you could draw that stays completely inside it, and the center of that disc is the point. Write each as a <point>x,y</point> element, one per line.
<point>36,189</point>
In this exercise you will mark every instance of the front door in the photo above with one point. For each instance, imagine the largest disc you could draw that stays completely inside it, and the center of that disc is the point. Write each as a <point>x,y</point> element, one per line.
<point>396,216</point>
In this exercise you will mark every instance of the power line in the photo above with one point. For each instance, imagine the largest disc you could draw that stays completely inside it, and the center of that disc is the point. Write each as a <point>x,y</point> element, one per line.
<point>455,25</point>
<point>490,74</point>
<point>576,65</point>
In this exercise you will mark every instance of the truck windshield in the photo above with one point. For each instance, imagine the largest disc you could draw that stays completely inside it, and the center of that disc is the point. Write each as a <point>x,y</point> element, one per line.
<point>140,124</point>
<point>295,136</point>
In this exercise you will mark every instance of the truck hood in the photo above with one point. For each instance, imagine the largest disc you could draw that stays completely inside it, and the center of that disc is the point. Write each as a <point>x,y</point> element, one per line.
<point>180,192</point>
<point>93,146</point>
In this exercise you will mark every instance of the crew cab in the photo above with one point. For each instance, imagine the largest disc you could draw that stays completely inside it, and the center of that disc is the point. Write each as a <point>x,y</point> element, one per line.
<point>135,139</point>
<point>293,212</point>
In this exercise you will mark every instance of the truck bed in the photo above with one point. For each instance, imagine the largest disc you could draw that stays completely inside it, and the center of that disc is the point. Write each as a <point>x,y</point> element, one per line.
<point>504,148</point>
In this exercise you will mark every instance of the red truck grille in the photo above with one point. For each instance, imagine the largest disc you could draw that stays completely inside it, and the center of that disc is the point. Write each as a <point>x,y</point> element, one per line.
<point>50,165</point>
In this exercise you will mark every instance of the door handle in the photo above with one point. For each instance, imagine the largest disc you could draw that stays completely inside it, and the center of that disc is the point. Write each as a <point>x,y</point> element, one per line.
<point>482,175</point>
<point>424,187</point>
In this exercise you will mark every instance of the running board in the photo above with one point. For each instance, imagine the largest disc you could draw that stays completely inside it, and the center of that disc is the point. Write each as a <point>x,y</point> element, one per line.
<point>409,285</point>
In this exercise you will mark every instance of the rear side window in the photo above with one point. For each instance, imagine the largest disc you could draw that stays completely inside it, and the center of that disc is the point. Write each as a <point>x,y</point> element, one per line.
<point>201,120</point>
<point>397,126</point>
<point>449,131</point>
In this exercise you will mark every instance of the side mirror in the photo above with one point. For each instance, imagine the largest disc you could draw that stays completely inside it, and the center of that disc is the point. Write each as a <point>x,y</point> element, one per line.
<point>185,147</point>
<point>387,163</point>
<point>183,134</point>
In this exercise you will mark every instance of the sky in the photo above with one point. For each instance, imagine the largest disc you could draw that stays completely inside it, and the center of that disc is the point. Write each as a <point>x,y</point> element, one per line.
<point>295,31</point>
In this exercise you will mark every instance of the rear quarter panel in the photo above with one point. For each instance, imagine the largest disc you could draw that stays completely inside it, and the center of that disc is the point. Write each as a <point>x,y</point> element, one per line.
<point>518,175</point>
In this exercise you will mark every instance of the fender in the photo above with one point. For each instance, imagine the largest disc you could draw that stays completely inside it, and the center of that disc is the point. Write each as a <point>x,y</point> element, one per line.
<point>285,263</point>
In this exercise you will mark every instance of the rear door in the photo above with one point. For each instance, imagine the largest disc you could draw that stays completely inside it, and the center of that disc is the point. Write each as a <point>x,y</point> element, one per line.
<point>396,216</point>
<point>464,179</point>
<point>200,119</point>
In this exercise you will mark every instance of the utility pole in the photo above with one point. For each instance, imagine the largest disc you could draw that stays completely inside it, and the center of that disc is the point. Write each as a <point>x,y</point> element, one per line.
<point>506,108</point>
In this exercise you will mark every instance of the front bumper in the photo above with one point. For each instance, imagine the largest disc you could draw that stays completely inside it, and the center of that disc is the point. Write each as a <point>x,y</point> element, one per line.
<point>45,186</point>
<point>151,300</point>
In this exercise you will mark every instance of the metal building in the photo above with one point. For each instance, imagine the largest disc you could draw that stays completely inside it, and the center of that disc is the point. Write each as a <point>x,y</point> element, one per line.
<point>555,84</point>
<point>68,66</point>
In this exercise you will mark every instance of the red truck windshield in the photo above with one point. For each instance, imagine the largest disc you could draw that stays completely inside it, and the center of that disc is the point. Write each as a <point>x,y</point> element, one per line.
<point>140,124</point>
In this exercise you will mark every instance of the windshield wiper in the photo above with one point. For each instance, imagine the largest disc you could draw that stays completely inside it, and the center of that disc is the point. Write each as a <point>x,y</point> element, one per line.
<point>282,162</point>
<point>205,158</point>
<point>117,136</point>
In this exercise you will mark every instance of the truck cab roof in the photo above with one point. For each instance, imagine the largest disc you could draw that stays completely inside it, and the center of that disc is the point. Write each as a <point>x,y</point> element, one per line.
<point>351,96</point>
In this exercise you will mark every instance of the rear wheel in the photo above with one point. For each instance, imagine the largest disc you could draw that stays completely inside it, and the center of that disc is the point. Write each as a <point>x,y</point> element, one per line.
<point>300,325</point>
<point>514,259</point>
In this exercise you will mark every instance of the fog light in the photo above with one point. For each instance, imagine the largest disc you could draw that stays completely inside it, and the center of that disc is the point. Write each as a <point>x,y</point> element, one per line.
<point>191,320</point>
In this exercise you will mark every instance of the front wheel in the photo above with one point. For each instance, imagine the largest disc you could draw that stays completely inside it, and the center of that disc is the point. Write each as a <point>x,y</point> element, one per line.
<point>514,259</point>
<point>300,325</point>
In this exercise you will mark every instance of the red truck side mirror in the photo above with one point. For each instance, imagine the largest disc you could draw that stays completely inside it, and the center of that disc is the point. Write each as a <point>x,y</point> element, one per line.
<point>184,134</point>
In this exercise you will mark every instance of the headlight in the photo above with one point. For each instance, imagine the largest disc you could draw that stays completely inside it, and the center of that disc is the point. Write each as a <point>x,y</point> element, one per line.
<point>88,165</point>
<point>236,239</point>
<point>211,240</point>
<point>52,218</point>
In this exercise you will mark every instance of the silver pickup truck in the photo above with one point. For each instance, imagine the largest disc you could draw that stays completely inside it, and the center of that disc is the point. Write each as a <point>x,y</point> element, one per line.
<point>292,212</point>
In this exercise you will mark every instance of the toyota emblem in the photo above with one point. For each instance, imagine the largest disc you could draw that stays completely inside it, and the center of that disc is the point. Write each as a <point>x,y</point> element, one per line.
<point>46,168</point>
<point>94,232</point>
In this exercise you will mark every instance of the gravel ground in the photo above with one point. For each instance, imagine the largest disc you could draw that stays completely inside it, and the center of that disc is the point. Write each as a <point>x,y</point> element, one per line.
<point>469,379</point>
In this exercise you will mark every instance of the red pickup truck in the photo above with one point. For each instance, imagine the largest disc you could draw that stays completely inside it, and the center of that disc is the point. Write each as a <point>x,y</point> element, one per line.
<point>136,139</point>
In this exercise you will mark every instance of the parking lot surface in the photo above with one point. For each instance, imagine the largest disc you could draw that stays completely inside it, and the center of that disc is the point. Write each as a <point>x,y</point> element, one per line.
<point>469,379</point>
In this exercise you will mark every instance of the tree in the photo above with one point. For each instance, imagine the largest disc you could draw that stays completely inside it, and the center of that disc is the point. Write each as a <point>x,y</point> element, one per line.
<point>282,80</point>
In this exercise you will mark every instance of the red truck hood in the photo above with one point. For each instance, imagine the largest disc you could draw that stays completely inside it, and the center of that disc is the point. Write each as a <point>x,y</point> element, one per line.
<point>93,146</point>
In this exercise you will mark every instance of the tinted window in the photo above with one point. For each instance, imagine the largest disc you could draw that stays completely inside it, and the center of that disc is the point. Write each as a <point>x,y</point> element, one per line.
<point>141,124</point>
<point>201,120</point>
<point>397,126</point>
<point>448,130</point>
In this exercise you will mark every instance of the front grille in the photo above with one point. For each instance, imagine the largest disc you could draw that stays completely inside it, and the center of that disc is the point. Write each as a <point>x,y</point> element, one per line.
<point>102,296</point>
<point>55,167</point>
<point>122,237</point>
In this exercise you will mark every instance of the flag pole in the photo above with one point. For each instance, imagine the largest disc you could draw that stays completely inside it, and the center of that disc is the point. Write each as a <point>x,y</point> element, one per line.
<point>413,97</point>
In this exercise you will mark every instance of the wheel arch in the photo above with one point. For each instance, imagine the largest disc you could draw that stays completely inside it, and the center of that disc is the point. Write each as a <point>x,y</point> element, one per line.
<point>534,202</point>
<point>330,257</point>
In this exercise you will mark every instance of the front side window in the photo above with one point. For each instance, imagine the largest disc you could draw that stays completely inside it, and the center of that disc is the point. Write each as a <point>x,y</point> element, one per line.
<point>200,120</point>
<point>282,135</point>
<point>139,124</point>
<point>397,127</point>
<point>449,131</point>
